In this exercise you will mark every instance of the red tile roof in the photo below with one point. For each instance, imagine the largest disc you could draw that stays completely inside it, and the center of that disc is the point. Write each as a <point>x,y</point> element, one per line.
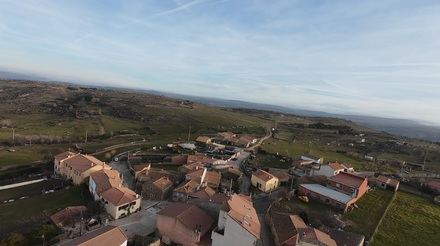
<point>119,196</point>
<point>163,183</point>
<point>203,139</point>
<point>435,185</point>
<point>190,216</point>
<point>388,181</point>
<point>212,177</point>
<point>263,175</point>
<point>286,227</point>
<point>243,212</point>
<point>336,166</point>
<point>312,235</point>
<point>106,179</point>
<point>104,236</point>
<point>281,174</point>
<point>67,214</point>
<point>348,179</point>
<point>82,162</point>
<point>64,155</point>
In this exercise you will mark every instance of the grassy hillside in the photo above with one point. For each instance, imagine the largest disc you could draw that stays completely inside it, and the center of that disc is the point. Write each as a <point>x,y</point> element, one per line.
<point>54,117</point>
<point>410,219</point>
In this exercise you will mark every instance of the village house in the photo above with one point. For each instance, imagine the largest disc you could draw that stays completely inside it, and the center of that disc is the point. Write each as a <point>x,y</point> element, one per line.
<point>155,183</point>
<point>433,185</point>
<point>387,183</point>
<point>342,190</point>
<point>104,236</point>
<point>198,161</point>
<point>246,141</point>
<point>77,167</point>
<point>237,140</point>
<point>201,184</point>
<point>237,223</point>
<point>68,216</point>
<point>347,238</point>
<point>119,201</point>
<point>203,140</point>
<point>264,181</point>
<point>331,169</point>
<point>290,230</point>
<point>202,175</point>
<point>349,184</point>
<point>314,159</point>
<point>282,175</point>
<point>184,224</point>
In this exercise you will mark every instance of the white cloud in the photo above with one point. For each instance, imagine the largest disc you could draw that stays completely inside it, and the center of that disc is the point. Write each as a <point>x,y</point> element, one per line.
<point>379,58</point>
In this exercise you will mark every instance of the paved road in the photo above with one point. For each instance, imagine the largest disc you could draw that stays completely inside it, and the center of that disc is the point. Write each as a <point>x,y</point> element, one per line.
<point>117,146</point>
<point>260,142</point>
<point>141,223</point>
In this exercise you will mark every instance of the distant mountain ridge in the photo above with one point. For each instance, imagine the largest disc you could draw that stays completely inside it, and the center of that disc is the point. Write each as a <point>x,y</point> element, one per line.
<point>402,127</point>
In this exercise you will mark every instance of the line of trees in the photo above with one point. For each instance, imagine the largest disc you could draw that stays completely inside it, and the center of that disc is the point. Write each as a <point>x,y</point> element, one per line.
<point>20,139</point>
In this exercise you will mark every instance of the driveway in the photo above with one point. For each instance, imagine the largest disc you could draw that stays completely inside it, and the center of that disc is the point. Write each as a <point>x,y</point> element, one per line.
<point>141,223</point>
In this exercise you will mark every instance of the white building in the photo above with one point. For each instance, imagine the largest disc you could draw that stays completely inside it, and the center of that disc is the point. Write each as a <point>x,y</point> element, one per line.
<point>238,224</point>
<point>119,201</point>
<point>331,169</point>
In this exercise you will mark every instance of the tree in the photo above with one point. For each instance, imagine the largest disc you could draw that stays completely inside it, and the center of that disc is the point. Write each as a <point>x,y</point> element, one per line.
<point>14,239</point>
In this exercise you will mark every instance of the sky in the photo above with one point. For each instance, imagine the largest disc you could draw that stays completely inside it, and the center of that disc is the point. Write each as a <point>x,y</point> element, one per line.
<point>379,58</point>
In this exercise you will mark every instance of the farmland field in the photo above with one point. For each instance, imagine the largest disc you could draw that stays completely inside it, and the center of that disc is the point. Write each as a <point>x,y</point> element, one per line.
<point>372,205</point>
<point>410,219</point>
<point>35,206</point>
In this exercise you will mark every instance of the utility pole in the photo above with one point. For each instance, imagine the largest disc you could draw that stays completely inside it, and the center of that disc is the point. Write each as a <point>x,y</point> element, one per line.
<point>230,187</point>
<point>13,136</point>
<point>189,132</point>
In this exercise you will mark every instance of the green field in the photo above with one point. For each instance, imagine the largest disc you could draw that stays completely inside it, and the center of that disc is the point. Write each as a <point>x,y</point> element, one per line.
<point>364,219</point>
<point>25,209</point>
<point>411,220</point>
<point>301,147</point>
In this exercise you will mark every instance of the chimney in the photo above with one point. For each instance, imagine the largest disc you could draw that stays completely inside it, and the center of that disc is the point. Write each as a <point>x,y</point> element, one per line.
<point>202,178</point>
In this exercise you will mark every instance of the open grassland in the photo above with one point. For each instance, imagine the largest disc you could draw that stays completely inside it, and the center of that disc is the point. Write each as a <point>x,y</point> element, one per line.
<point>372,205</point>
<point>66,127</point>
<point>24,155</point>
<point>302,147</point>
<point>36,206</point>
<point>411,220</point>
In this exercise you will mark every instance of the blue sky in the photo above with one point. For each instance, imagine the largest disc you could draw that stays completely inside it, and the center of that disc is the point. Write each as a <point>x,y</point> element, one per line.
<point>377,58</point>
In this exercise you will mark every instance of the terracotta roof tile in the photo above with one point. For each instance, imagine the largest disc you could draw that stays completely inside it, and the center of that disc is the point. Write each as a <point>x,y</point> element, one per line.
<point>106,179</point>
<point>281,174</point>
<point>61,217</point>
<point>64,155</point>
<point>263,175</point>
<point>82,162</point>
<point>336,166</point>
<point>212,177</point>
<point>348,179</point>
<point>105,236</point>
<point>119,196</point>
<point>242,211</point>
<point>312,235</point>
<point>388,181</point>
<point>189,215</point>
<point>163,183</point>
